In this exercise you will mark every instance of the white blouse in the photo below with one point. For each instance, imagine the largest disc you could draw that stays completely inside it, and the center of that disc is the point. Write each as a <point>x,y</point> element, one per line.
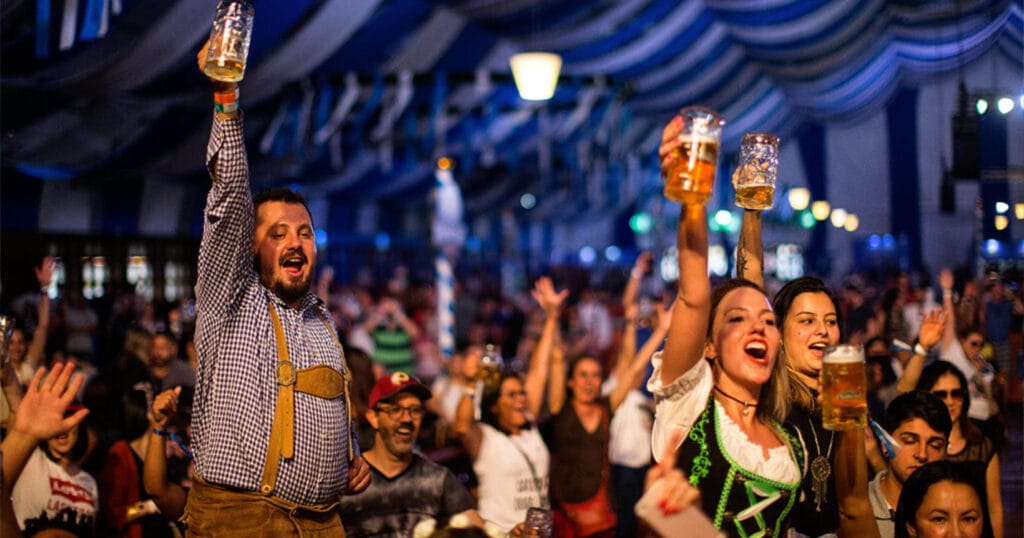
<point>680,404</point>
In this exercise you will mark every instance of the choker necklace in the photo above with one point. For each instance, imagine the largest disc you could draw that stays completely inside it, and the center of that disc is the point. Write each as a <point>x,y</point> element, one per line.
<point>746,405</point>
<point>821,468</point>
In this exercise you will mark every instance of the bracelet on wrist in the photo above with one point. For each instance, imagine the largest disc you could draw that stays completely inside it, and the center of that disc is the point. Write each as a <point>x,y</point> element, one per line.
<point>920,349</point>
<point>226,97</point>
<point>161,433</point>
<point>225,108</point>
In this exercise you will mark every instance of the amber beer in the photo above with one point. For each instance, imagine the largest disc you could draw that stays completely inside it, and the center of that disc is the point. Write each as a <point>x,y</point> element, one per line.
<point>229,41</point>
<point>690,171</point>
<point>754,179</point>
<point>844,388</point>
<point>490,365</point>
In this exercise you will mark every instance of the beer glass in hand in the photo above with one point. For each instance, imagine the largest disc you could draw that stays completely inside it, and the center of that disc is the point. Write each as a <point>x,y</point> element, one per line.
<point>490,365</point>
<point>844,388</point>
<point>688,168</point>
<point>229,41</point>
<point>754,178</point>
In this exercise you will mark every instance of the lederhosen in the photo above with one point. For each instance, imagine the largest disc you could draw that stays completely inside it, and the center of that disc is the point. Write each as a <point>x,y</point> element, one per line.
<point>740,503</point>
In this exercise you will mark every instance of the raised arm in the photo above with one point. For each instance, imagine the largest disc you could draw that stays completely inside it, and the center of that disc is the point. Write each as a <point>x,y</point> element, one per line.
<point>931,332</point>
<point>856,517</point>
<point>550,302</point>
<point>686,334</point>
<point>750,251</point>
<point>949,328</point>
<point>169,497</point>
<point>634,374</point>
<point>225,251</point>
<point>37,348</point>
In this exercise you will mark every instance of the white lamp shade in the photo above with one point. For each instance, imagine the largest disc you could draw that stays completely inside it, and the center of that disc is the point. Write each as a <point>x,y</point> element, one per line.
<point>536,74</point>
<point>821,209</point>
<point>799,198</point>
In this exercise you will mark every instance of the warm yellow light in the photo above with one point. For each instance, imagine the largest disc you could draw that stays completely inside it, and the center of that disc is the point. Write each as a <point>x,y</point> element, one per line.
<point>838,217</point>
<point>852,223</point>
<point>799,197</point>
<point>444,163</point>
<point>1002,222</point>
<point>820,209</point>
<point>536,74</point>
<point>1018,211</point>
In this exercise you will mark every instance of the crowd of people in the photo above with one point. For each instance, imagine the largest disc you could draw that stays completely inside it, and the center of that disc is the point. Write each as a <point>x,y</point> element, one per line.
<point>279,404</point>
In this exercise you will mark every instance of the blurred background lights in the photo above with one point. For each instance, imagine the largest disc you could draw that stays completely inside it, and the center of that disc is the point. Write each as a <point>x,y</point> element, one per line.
<point>382,241</point>
<point>587,255</point>
<point>820,209</point>
<point>1005,105</point>
<point>527,201</point>
<point>982,106</point>
<point>1018,210</point>
<point>874,241</point>
<point>718,261</point>
<point>1002,222</point>
<point>852,223</point>
<point>838,217</point>
<point>991,247</point>
<point>1002,207</point>
<point>321,238</point>
<point>612,253</point>
<point>888,241</point>
<point>807,220</point>
<point>444,163</point>
<point>799,197</point>
<point>640,223</point>
<point>723,217</point>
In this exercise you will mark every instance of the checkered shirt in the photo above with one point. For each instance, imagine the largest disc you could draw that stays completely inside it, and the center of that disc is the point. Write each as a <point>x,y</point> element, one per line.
<point>236,382</point>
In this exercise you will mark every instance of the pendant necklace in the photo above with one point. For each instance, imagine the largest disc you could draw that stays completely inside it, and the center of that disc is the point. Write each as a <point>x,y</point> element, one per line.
<point>746,405</point>
<point>820,468</point>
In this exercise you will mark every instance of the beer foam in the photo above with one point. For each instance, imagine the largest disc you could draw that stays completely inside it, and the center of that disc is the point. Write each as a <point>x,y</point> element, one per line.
<point>699,138</point>
<point>844,354</point>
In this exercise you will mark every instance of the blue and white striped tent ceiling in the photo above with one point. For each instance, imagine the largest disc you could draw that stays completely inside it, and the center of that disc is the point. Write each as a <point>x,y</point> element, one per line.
<point>357,98</point>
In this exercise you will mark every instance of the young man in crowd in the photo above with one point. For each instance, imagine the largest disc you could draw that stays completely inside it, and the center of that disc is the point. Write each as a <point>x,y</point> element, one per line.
<point>920,423</point>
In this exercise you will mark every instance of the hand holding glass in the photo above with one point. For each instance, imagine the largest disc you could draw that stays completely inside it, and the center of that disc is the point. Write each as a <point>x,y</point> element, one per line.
<point>754,178</point>
<point>690,170</point>
<point>229,41</point>
<point>843,388</point>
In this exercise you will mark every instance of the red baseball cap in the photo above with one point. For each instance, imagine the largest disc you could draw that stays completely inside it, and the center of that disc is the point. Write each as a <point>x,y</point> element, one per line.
<point>392,384</point>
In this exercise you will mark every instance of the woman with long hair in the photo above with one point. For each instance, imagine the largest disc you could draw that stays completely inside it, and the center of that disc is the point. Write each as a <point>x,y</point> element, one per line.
<point>967,443</point>
<point>721,389</point>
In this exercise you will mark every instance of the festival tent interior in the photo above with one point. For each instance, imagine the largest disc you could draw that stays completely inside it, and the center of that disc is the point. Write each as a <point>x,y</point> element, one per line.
<point>401,123</point>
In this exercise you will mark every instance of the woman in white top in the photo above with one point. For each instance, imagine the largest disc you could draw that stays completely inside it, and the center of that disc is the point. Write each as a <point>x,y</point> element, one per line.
<point>720,389</point>
<point>509,457</point>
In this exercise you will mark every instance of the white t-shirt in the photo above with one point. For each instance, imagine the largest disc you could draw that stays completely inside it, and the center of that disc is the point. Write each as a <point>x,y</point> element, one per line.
<point>507,486</point>
<point>680,404</point>
<point>45,489</point>
<point>629,441</point>
<point>981,407</point>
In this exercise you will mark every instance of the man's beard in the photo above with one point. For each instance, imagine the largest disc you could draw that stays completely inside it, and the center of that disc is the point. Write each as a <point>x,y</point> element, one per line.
<point>287,291</point>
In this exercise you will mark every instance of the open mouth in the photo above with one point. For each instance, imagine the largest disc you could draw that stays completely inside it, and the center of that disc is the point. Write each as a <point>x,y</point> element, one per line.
<point>818,348</point>
<point>756,349</point>
<point>293,264</point>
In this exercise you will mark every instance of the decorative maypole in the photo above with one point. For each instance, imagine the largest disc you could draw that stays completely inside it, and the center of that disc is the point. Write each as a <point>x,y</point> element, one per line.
<point>449,234</point>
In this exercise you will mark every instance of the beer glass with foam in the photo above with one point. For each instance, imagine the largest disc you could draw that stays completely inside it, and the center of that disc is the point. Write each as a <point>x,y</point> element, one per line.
<point>229,41</point>
<point>690,173</point>
<point>843,388</point>
<point>754,178</point>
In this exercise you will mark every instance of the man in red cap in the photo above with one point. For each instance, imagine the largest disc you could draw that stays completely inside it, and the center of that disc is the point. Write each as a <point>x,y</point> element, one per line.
<point>405,487</point>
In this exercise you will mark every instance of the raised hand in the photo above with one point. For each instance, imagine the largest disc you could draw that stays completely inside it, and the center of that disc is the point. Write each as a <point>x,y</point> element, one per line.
<point>931,327</point>
<point>44,273</point>
<point>546,296</point>
<point>165,405</point>
<point>41,413</point>
<point>669,142</point>
<point>358,476</point>
<point>946,279</point>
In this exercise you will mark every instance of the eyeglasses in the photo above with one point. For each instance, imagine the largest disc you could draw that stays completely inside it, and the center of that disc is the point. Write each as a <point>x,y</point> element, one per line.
<point>416,411</point>
<point>956,394</point>
<point>974,343</point>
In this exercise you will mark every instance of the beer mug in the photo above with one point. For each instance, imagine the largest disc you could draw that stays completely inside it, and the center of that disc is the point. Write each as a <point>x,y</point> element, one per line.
<point>754,178</point>
<point>539,522</point>
<point>490,365</point>
<point>6,328</point>
<point>691,171</point>
<point>844,388</point>
<point>229,41</point>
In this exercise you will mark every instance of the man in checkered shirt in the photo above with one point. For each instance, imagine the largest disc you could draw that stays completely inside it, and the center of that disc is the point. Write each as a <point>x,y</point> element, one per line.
<point>272,431</point>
